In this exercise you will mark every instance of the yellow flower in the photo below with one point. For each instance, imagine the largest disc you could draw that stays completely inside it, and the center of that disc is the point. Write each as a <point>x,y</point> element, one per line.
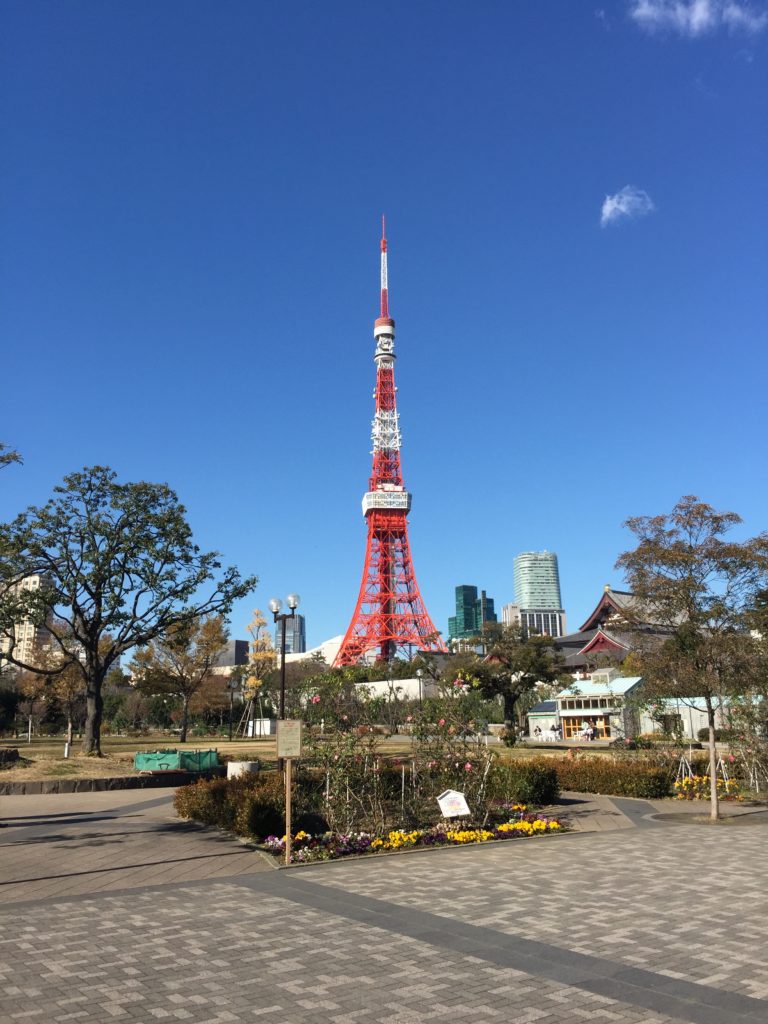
<point>476,835</point>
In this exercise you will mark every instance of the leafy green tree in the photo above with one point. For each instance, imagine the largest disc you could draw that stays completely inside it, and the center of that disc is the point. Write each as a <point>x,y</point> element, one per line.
<point>68,690</point>
<point>133,714</point>
<point>31,687</point>
<point>10,699</point>
<point>180,662</point>
<point>8,455</point>
<point>117,679</point>
<point>160,711</point>
<point>699,589</point>
<point>514,663</point>
<point>261,664</point>
<point>119,568</point>
<point>113,697</point>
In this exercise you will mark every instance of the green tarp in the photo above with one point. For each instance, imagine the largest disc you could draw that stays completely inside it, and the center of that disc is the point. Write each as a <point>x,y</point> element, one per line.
<point>175,760</point>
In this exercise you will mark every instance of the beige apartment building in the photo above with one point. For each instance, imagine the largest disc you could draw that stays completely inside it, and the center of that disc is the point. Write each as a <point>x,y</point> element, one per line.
<point>30,639</point>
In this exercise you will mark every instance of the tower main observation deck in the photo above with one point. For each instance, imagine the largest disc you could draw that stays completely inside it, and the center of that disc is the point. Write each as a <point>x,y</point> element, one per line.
<point>390,615</point>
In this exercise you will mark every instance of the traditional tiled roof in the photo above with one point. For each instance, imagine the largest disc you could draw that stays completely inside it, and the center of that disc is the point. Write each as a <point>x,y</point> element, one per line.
<point>604,641</point>
<point>611,604</point>
<point>578,661</point>
<point>575,640</point>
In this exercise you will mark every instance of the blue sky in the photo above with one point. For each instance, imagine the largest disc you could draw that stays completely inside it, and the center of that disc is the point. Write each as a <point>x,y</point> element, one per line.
<point>191,194</point>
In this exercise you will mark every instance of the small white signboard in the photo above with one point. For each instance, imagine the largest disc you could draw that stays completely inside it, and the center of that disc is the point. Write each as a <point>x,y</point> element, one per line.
<point>289,737</point>
<point>453,804</point>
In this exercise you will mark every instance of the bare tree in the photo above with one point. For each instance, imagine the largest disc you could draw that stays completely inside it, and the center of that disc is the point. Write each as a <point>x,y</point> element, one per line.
<point>181,662</point>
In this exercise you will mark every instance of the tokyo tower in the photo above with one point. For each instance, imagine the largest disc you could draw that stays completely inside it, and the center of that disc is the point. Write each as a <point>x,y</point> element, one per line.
<point>390,615</point>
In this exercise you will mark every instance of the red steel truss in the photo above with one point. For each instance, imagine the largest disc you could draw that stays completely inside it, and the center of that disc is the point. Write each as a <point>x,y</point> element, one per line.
<point>390,615</point>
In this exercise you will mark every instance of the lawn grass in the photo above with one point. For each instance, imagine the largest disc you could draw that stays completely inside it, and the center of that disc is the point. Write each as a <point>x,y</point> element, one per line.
<point>46,753</point>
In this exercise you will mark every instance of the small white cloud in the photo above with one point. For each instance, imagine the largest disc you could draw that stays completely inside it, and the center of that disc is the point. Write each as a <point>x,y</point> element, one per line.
<point>628,203</point>
<point>739,16</point>
<point>604,18</point>
<point>694,18</point>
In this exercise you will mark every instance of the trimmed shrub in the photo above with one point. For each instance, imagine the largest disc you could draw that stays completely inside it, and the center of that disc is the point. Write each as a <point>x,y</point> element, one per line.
<point>261,808</point>
<point>9,756</point>
<point>251,805</point>
<point>614,778</point>
<point>721,735</point>
<point>632,743</point>
<point>533,781</point>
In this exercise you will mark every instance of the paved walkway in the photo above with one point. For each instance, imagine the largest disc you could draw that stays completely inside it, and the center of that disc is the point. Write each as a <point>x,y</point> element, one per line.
<point>122,913</point>
<point>80,843</point>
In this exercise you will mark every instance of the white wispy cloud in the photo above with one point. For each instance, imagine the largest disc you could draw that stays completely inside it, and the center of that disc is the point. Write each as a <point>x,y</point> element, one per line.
<point>626,204</point>
<point>694,18</point>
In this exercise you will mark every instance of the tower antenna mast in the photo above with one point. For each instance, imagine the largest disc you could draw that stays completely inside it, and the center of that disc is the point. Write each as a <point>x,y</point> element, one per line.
<point>390,614</point>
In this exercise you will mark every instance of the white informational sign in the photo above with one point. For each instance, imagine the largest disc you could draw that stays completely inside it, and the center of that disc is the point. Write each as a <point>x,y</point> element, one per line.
<point>289,737</point>
<point>453,804</point>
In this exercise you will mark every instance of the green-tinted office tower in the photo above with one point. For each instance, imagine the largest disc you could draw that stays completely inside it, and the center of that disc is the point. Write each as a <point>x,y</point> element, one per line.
<point>537,580</point>
<point>471,612</point>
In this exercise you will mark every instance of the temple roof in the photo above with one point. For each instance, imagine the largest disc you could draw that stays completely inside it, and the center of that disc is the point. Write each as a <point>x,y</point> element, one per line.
<point>579,649</point>
<point>604,641</point>
<point>612,603</point>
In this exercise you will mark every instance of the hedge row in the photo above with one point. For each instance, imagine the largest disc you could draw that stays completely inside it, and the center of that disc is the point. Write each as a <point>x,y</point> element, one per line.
<point>613,778</point>
<point>254,806</point>
<point>534,782</point>
<point>248,805</point>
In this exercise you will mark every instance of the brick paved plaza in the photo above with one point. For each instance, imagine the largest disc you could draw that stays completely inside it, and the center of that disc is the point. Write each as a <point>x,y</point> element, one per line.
<point>114,910</point>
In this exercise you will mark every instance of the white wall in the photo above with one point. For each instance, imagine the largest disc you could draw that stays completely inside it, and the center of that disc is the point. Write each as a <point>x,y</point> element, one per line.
<point>404,689</point>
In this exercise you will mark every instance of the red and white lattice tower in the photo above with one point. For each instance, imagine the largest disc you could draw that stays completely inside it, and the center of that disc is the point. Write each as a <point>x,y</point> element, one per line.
<point>390,615</point>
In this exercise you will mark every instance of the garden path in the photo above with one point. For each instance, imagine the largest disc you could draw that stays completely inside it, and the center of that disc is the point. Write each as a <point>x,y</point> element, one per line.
<point>115,911</point>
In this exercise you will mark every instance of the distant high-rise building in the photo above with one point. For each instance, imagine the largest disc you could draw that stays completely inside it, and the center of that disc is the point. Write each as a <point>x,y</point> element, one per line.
<point>535,620</point>
<point>471,612</point>
<point>235,653</point>
<point>29,639</point>
<point>537,580</point>
<point>295,635</point>
<point>538,607</point>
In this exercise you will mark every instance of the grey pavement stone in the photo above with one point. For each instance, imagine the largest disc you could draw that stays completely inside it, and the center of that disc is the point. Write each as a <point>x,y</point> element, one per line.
<point>627,924</point>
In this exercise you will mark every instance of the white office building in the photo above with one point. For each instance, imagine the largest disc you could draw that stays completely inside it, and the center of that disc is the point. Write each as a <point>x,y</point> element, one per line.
<point>538,607</point>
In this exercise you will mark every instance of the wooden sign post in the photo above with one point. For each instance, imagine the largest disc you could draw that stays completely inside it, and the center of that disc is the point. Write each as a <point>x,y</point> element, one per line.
<point>289,737</point>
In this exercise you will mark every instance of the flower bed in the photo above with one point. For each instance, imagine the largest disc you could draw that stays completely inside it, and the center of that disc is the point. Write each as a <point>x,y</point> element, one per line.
<point>696,787</point>
<point>307,848</point>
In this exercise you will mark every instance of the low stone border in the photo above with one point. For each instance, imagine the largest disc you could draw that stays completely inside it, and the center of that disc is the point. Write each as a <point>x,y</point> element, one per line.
<point>47,786</point>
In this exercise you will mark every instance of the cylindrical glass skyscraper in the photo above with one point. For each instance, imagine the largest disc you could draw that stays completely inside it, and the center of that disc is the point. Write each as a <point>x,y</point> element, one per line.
<point>537,580</point>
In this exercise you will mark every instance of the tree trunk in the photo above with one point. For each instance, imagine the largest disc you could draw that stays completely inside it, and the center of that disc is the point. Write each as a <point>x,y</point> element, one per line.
<point>184,720</point>
<point>714,801</point>
<point>94,706</point>
<point>509,713</point>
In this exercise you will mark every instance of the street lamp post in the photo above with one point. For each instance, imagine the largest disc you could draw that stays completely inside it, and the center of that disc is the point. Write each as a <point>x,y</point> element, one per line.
<point>420,677</point>
<point>282,617</point>
<point>232,685</point>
